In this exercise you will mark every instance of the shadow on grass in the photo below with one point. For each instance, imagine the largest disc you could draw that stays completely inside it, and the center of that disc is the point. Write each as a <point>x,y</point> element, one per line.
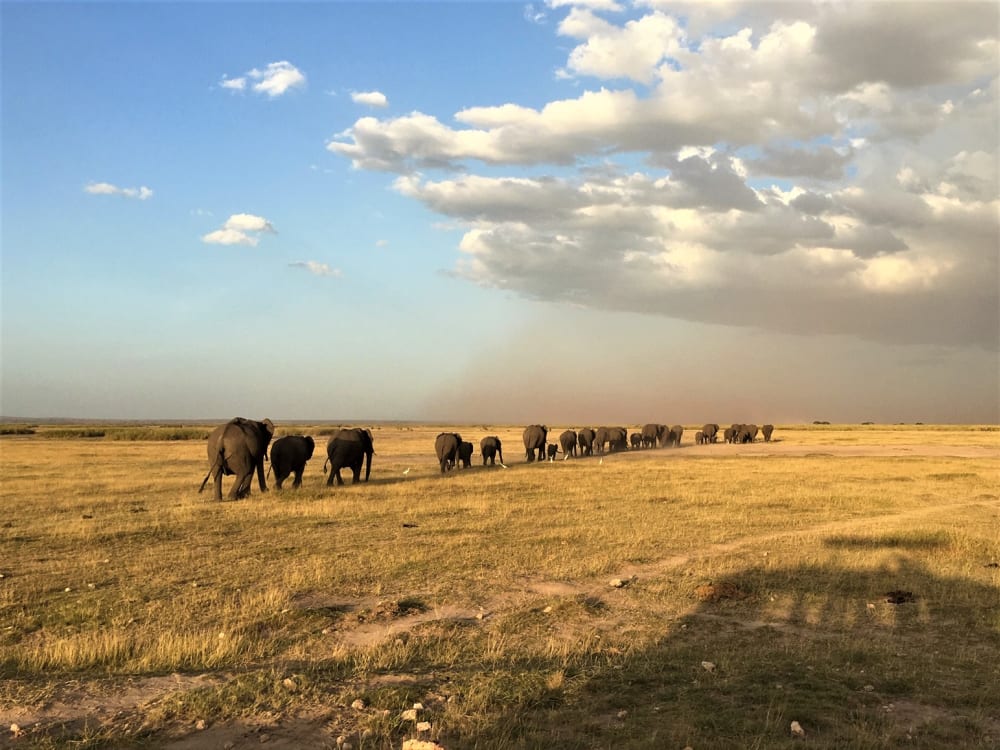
<point>819,645</point>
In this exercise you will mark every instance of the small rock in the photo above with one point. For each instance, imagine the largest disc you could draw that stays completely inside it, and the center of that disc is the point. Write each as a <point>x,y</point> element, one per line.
<point>200,724</point>
<point>409,714</point>
<point>622,714</point>
<point>869,688</point>
<point>421,745</point>
<point>290,684</point>
<point>547,609</point>
<point>341,740</point>
<point>423,726</point>
<point>359,705</point>
<point>418,706</point>
<point>229,745</point>
<point>91,586</point>
<point>67,590</point>
<point>797,730</point>
<point>16,730</point>
<point>480,615</point>
<point>325,631</point>
<point>264,738</point>
<point>708,666</point>
<point>347,746</point>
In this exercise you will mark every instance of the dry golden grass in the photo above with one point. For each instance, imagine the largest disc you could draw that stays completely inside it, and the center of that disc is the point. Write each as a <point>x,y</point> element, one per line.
<point>485,594</point>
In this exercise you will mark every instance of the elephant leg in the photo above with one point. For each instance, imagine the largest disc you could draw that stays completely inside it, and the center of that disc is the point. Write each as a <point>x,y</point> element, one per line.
<point>356,470</point>
<point>241,486</point>
<point>278,479</point>
<point>218,485</point>
<point>329,479</point>
<point>260,477</point>
<point>340,479</point>
<point>298,479</point>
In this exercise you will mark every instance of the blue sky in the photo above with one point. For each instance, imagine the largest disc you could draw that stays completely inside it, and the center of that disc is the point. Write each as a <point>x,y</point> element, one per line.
<point>562,212</point>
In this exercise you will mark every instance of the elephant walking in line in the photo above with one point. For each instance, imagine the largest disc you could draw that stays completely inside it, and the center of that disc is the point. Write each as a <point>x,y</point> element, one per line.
<point>699,438</point>
<point>767,430</point>
<point>710,431</point>
<point>491,448</point>
<point>585,438</point>
<point>652,434</point>
<point>551,450</point>
<point>636,440</point>
<point>350,448</point>
<point>676,432</point>
<point>447,446</point>
<point>731,432</point>
<point>237,448</point>
<point>567,441</point>
<point>289,454</point>
<point>617,439</point>
<point>465,454</point>
<point>534,441</point>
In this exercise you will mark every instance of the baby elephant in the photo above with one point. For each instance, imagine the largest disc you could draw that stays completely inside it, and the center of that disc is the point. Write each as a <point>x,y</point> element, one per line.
<point>551,450</point>
<point>465,454</point>
<point>289,454</point>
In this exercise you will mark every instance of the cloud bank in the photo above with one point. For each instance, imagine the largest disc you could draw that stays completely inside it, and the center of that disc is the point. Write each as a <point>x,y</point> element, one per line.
<point>797,168</point>
<point>317,269</point>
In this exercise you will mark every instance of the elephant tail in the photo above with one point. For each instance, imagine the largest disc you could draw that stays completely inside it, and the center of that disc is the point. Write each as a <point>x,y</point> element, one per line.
<point>271,466</point>
<point>217,464</point>
<point>325,464</point>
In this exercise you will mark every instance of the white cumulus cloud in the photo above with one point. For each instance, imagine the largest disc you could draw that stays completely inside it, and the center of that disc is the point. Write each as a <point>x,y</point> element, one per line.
<point>106,188</point>
<point>240,229</point>
<point>370,98</point>
<point>274,80</point>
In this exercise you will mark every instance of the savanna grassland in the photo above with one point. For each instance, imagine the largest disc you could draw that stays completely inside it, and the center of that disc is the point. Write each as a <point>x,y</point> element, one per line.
<point>843,577</point>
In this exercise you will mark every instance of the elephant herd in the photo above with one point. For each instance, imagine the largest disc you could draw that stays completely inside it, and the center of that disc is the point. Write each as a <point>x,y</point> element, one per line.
<point>240,447</point>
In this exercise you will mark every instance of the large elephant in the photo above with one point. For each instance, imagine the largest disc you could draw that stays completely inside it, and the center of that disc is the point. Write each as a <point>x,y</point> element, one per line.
<point>652,434</point>
<point>767,430</point>
<point>534,441</point>
<point>676,432</point>
<point>635,439</point>
<point>350,448</point>
<point>446,447</point>
<point>752,429</point>
<point>238,447</point>
<point>567,441</point>
<point>289,454</point>
<point>731,433</point>
<point>491,448</point>
<point>465,454</point>
<point>585,438</point>
<point>710,431</point>
<point>617,439</point>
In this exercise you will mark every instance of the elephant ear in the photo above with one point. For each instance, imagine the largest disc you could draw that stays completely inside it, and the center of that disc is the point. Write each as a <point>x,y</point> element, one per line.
<point>268,426</point>
<point>310,442</point>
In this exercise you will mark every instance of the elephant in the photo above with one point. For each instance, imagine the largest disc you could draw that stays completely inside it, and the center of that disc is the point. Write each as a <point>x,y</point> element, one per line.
<point>534,440</point>
<point>350,448</point>
<point>491,447</point>
<point>731,433</point>
<point>447,446</point>
<point>567,441</point>
<point>752,429</point>
<point>636,440</point>
<point>289,454</point>
<point>617,439</point>
<point>238,447</point>
<point>699,438</point>
<point>585,438</point>
<point>767,430</point>
<point>744,435</point>
<point>551,450</point>
<point>465,454</point>
<point>676,432</point>
<point>652,434</point>
<point>710,430</point>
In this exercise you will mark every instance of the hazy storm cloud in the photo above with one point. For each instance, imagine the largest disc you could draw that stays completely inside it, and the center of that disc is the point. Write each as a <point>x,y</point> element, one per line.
<point>824,169</point>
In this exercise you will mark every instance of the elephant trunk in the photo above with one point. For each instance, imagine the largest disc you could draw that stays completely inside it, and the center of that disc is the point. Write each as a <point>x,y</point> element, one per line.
<point>368,463</point>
